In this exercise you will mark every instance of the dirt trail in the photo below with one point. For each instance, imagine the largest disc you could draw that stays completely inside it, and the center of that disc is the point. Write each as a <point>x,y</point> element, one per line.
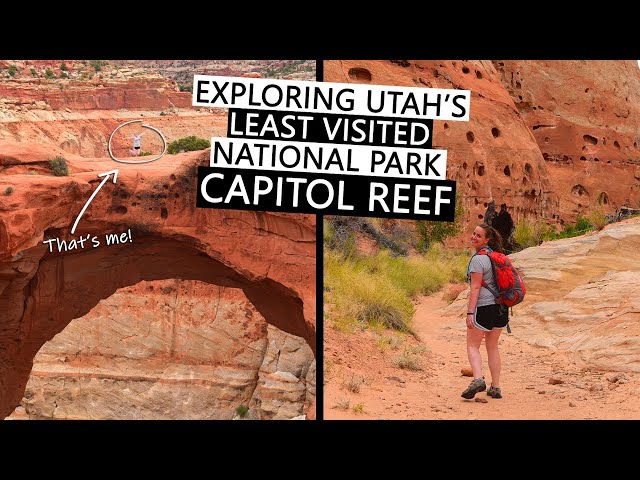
<point>434,393</point>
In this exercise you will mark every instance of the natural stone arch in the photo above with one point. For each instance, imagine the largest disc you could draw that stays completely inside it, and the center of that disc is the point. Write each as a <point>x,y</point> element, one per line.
<point>270,256</point>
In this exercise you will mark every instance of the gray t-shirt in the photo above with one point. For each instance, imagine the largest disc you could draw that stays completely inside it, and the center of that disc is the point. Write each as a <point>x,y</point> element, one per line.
<point>482,264</point>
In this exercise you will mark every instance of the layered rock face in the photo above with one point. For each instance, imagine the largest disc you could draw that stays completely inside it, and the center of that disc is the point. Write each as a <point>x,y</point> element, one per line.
<point>78,114</point>
<point>584,116</point>
<point>583,297</point>
<point>171,349</point>
<point>550,139</point>
<point>270,256</point>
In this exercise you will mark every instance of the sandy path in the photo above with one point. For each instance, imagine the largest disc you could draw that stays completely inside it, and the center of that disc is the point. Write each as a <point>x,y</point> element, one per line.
<point>434,393</point>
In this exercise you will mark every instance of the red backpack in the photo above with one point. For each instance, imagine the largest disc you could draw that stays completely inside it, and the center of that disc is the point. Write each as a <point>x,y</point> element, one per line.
<point>511,289</point>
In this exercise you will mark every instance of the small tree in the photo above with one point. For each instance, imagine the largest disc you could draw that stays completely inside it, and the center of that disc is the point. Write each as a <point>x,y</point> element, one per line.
<point>434,232</point>
<point>33,72</point>
<point>8,191</point>
<point>13,70</point>
<point>48,73</point>
<point>63,67</point>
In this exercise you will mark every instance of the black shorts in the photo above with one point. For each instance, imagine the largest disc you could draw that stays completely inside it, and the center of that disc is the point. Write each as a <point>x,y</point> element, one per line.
<point>137,148</point>
<point>491,316</point>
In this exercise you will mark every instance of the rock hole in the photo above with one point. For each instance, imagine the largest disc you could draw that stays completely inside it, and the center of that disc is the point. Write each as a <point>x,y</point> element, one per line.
<point>590,140</point>
<point>603,199</point>
<point>485,204</point>
<point>172,177</point>
<point>480,217</point>
<point>165,186</point>
<point>446,126</point>
<point>479,169</point>
<point>464,165</point>
<point>586,90</point>
<point>519,85</point>
<point>546,139</point>
<point>583,158</point>
<point>520,97</point>
<point>566,158</point>
<point>507,171</point>
<point>475,201</point>
<point>584,149</point>
<point>579,190</point>
<point>470,137</point>
<point>435,73</point>
<point>596,159</point>
<point>164,213</point>
<point>495,132</point>
<point>177,195</point>
<point>545,156</point>
<point>478,74</point>
<point>361,74</point>
<point>604,141</point>
<point>616,144</point>
<point>527,168</point>
<point>465,69</point>
<point>124,195</point>
<point>121,209</point>
<point>525,181</point>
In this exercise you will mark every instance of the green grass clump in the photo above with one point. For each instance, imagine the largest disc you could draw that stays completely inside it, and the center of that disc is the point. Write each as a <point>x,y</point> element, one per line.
<point>378,289</point>
<point>242,411</point>
<point>9,190</point>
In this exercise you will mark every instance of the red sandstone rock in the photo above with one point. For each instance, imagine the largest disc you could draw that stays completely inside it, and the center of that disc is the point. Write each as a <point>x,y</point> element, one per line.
<point>271,256</point>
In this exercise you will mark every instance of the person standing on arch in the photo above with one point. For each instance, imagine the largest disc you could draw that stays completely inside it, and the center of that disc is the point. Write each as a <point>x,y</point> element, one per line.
<point>135,151</point>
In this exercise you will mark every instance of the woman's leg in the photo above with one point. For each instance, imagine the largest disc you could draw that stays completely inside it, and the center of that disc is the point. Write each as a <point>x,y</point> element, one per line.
<point>491,342</point>
<point>474,338</point>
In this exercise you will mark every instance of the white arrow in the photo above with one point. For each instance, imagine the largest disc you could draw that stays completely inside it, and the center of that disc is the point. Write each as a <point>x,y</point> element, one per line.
<point>106,179</point>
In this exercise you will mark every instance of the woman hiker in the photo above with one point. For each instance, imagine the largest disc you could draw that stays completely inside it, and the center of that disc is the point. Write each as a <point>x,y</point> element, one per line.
<point>485,318</point>
<point>136,144</point>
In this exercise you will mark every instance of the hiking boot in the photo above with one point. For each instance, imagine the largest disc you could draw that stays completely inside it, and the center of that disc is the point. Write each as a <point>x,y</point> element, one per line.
<point>476,385</point>
<point>494,392</point>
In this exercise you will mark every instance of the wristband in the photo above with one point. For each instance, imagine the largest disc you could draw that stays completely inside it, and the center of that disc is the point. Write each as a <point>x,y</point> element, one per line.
<point>470,313</point>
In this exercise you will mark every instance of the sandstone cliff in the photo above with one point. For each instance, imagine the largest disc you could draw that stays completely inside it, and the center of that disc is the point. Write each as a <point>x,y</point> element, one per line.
<point>172,349</point>
<point>550,139</point>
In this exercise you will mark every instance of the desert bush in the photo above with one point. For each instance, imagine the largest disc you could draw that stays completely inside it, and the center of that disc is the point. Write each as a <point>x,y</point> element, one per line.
<point>13,70</point>
<point>188,144</point>
<point>9,190</point>
<point>59,166</point>
<point>48,73</point>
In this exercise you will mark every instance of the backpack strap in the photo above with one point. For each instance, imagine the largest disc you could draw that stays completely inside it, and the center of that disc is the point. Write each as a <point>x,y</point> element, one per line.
<point>484,251</point>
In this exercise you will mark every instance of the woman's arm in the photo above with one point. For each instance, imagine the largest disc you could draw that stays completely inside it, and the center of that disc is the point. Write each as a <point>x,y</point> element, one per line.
<point>476,283</point>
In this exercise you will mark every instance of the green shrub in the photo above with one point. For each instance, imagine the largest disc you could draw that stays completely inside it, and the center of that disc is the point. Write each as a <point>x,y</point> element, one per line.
<point>188,144</point>
<point>48,73</point>
<point>63,67</point>
<point>598,219</point>
<point>13,70</point>
<point>437,232</point>
<point>185,88</point>
<point>242,411</point>
<point>98,64</point>
<point>528,233</point>
<point>33,72</point>
<point>145,154</point>
<point>8,191</point>
<point>59,166</point>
